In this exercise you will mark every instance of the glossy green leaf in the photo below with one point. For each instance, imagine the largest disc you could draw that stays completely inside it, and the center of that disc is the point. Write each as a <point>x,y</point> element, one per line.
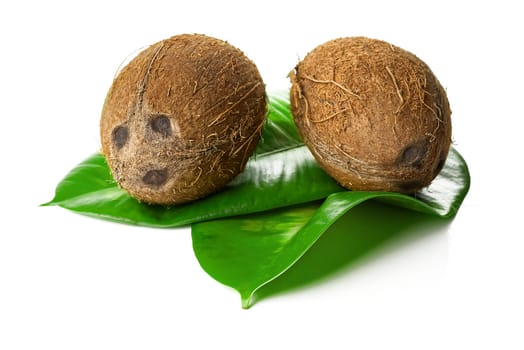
<point>250,251</point>
<point>281,172</point>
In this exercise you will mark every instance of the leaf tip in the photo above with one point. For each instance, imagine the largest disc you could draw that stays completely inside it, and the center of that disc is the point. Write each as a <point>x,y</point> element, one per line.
<point>247,300</point>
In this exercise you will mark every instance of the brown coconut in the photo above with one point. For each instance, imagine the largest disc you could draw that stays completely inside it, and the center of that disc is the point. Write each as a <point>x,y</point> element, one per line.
<point>182,118</point>
<point>374,115</point>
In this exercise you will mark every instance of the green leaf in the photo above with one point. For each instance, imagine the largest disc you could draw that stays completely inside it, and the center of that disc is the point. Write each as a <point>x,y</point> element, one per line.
<point>282,172</point>
<point>250,251</point>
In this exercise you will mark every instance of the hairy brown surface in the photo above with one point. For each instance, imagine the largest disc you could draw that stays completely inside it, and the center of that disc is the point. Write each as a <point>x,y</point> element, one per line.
<point>374,115</point>
<point>182,118</point>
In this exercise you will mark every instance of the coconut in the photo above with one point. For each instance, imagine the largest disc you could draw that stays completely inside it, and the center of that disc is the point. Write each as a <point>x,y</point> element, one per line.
<point>182,118</point>
<point>374,115</point>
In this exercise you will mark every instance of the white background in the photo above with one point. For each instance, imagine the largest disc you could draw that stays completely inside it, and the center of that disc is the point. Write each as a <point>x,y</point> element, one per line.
<point>72,282</point>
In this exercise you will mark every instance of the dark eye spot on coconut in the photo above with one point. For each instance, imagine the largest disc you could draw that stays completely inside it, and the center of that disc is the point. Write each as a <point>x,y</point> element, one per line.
<point>161,125</point>
<point>413,155</point>
<point>155,177</point>
<point>120,135</point>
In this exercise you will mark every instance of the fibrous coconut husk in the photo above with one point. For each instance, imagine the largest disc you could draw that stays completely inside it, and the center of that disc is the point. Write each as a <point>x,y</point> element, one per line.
<point>374,115</point>
<point>182,118</point>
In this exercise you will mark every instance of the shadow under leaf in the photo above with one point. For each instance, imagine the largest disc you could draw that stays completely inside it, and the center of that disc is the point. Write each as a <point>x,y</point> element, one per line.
<point>364,230</point>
